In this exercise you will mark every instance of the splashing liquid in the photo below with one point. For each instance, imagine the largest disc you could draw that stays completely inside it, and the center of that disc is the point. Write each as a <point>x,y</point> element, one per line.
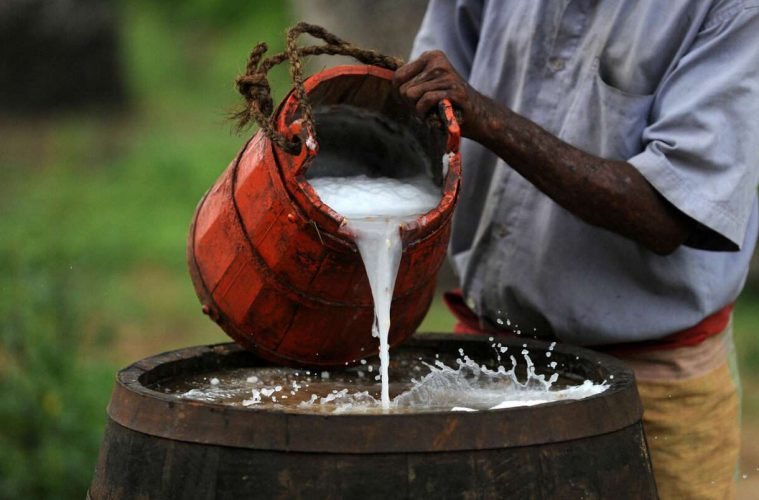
<point>446,384</point>
<point>375,208</point>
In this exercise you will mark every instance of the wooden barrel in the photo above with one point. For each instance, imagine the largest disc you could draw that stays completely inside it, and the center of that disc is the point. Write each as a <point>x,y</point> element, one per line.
<point>159,446</point>
<point>277,269</point>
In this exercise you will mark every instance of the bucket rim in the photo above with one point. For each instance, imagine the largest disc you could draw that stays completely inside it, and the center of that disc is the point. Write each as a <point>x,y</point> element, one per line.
<point>290,168</point>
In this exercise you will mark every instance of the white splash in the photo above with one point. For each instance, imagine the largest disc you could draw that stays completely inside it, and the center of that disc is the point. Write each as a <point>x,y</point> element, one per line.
<point>466,386</point>
<point>472,387</point>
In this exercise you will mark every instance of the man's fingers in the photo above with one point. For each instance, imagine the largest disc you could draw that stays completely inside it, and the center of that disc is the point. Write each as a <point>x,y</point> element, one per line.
<point>426,81</point>
<point>430,99</point>
<point>412,90</point>
<point>409,71</point>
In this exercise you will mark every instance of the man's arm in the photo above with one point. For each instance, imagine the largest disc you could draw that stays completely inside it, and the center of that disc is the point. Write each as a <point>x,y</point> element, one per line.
<point>607,193</point>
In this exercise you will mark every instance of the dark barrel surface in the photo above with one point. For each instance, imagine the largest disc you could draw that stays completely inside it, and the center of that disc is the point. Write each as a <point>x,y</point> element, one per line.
<point>157,445</point>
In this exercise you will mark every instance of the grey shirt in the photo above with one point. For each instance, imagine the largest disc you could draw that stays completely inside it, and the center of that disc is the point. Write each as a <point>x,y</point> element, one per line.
<point>671,87</point>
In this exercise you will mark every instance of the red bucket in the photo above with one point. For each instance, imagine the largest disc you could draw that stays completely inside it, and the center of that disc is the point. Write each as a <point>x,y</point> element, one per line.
<point>276,268</point>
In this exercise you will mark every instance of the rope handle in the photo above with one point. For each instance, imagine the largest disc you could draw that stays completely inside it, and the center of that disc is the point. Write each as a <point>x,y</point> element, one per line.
<point>254,86</point>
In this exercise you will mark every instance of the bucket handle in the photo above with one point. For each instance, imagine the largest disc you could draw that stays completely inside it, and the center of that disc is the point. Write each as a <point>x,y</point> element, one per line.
<point>451,121</point>
<point>254,86</point>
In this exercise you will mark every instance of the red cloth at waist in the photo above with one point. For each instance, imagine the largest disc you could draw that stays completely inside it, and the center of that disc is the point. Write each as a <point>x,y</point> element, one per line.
<point>468,322</point>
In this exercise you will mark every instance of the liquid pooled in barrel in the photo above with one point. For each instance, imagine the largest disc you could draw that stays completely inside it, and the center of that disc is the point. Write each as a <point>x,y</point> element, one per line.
<point>374,209</point>
<point>421,383</point>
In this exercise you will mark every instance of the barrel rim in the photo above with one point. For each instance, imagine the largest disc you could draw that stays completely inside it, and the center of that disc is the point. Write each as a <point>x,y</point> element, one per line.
<point>139,408</point>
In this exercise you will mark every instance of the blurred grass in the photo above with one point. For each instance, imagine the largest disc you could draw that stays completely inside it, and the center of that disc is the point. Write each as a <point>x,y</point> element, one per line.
<point>746,330</point>
<point>94,214</point>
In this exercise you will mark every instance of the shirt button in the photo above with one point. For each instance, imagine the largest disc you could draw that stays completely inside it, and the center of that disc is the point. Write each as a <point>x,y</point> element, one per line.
<point>556,64</point>
<point>469,301</point>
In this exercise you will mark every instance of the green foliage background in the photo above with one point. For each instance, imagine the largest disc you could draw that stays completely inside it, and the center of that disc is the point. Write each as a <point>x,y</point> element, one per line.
<point>94,210</point>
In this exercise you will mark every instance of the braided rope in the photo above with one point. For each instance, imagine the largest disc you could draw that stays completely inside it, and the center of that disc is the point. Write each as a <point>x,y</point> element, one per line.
<point>254,86</point>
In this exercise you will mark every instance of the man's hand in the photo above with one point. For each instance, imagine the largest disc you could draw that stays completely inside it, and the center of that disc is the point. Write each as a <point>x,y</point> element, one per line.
<point>611,194</point>
<point>431,78</point>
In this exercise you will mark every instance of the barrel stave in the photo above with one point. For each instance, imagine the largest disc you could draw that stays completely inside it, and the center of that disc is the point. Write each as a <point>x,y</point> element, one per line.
<point>136,465</point>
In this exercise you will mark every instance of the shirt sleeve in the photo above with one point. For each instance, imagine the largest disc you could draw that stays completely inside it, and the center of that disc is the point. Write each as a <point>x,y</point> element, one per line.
<point>702,142</point>
<point>452,26</point>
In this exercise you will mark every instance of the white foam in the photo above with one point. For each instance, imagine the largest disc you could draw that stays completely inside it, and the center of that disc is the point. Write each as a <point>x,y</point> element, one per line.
<point>362,197</point>
<point>460,385</point>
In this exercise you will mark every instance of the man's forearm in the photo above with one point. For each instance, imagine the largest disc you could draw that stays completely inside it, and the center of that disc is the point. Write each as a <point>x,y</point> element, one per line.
<point>607,193</point>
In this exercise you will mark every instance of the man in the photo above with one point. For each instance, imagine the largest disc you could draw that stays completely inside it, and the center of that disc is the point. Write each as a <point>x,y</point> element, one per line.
<point>609,192</point>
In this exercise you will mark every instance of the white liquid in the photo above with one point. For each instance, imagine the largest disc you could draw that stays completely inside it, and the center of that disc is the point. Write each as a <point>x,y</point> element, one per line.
<point>374,209</point>
<point>473,387</point>
<point>362,197</point>
<point>467,387</point>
